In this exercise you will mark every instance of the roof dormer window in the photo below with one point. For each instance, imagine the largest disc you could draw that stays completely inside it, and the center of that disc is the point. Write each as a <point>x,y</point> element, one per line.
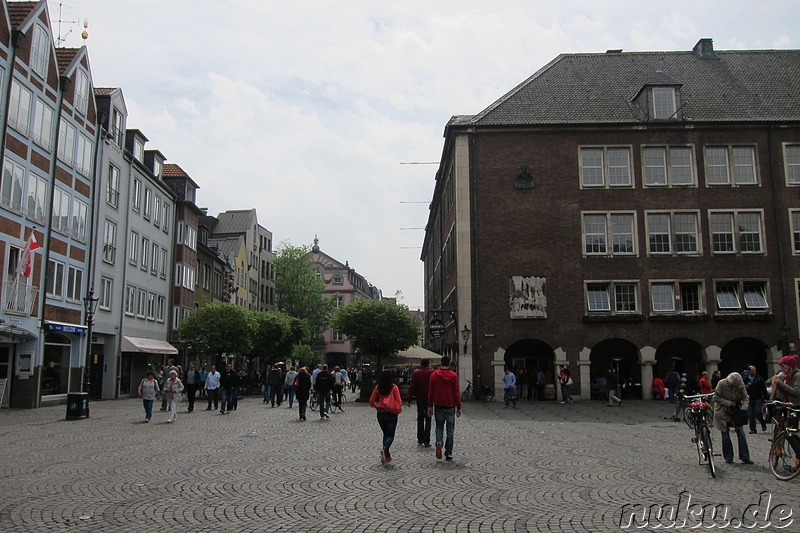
<point>138,150</point>
<point>40,51</point>
<point>663,103</point>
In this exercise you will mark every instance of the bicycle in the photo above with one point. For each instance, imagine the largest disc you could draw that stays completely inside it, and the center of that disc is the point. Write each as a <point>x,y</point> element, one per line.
<point>470,393</point>
<point>340,405</point>
<point>313,401</point>
<point>700,416</point>
<point>784,454</point>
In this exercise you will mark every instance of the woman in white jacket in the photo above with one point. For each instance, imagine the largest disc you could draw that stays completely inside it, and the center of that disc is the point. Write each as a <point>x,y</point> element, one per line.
<point>172,389</point>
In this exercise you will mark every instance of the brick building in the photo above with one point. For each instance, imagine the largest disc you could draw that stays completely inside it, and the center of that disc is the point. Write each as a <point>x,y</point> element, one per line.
<point>637,210</point>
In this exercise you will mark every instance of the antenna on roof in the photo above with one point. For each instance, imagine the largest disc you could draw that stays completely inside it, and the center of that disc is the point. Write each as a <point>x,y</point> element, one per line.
<point>62,38</point>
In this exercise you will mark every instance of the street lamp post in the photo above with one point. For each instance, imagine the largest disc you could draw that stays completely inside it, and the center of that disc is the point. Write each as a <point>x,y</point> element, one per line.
<point>465,333</point>
<point>90,306</point>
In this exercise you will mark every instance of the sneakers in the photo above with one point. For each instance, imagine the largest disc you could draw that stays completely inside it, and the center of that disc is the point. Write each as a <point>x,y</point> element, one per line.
<point>747,462</point>
<point>448,457</point>
<point>383,456</point>
<point>427,445</point>
<point>326,415</point>
<point>438,451</point>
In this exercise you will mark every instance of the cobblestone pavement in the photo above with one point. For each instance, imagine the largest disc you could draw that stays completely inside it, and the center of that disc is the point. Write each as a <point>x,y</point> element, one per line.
<point>540,467</point>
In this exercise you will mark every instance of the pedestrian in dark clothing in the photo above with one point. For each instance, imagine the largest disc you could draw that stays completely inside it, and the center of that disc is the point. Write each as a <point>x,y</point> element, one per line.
<point>673,382</point>
<point>228,381</point>
<point>323,385</point>
<point>302,388</point>
<point>418,390</point>
<point>275,383</point>
<point>757,391</point>
<point>612,382</point>
<point>192,383</point>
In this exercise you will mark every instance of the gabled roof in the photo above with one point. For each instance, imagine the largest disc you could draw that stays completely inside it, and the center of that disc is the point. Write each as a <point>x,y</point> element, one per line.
<point>759,85</point>
<point>65,57</point>
<point>236,221</point>
<point>105,91</point>
<point>19,11</point>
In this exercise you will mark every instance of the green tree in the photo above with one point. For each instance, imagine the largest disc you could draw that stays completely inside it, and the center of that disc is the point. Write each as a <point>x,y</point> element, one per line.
<point>215,329</point>
<point>377,328</point>
<point>299,292</point>
<point>276,334</point>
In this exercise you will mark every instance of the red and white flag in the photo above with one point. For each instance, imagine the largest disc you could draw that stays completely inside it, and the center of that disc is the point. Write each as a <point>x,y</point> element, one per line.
<point>25,265</point>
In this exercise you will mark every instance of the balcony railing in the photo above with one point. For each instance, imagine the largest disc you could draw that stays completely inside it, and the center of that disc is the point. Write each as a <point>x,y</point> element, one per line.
<point>20,298</point>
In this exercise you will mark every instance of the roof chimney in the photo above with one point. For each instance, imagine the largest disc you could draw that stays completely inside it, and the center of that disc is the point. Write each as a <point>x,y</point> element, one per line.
<point>704,49</point>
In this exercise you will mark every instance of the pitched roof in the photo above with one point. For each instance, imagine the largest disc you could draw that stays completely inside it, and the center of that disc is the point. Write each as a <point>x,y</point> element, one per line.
<point>105,91</point>
<point>171,170</point>
<point>737,86</point>
<point>18,12</point>
<point>236,221</point>
<point>65,57</point>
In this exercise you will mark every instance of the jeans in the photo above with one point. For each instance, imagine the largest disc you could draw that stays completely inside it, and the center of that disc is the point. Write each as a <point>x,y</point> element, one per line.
<point>754,412</point>
<point>213,394</point>
<point>508,396</point>
<point>227,400</point>
<point>727,445</point>
<point>324,401</point>
<point>265,391</point>
<point>148,409</point>
<point>423,423</point>
<point>612,397</point>
<point>290,391</point>
<point>388,423</point>
<point>191,391</point>
<point>445,416</point>
<point>565,397</point>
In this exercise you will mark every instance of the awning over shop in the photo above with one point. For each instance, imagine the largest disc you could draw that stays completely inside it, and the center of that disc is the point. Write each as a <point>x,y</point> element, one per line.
<point>142,345</point>
<point>16,332</point>
<point>65,327</point>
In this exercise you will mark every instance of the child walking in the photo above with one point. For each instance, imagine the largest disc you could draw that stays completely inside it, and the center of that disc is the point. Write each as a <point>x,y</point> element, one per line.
<point>386,399</point>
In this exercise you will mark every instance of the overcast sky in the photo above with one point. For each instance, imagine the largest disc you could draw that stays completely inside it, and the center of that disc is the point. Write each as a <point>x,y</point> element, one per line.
<point>305,110</point>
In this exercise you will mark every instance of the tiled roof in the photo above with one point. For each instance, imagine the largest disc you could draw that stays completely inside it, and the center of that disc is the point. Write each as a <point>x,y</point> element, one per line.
<point>598,88</point>
<point>18,11</point>
<point>105,91</point>
<point>237,221</point>
<point>171,170</point>
<point>65,56</point>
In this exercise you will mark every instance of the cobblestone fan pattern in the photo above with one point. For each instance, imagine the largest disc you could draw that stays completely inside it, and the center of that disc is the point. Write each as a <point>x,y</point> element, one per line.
<point>540,467</point>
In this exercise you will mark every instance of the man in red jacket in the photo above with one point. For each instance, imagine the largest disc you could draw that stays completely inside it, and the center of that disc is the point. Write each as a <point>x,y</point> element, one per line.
<point>444,399</point>
<point>418,390</point>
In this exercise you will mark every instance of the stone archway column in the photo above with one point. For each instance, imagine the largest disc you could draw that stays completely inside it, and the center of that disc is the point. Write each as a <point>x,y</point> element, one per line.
<point>498,364</point>
<point>560,358</point>
<point>773,355</point>
<point>713,355</point>
<point>585,368</point>
<point>648,361</point>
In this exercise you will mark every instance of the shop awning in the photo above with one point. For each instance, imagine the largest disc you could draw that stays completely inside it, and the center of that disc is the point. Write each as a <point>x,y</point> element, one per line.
<point>143,345</point>
<point>413,356</point>
<point>65,327</point>
<point>16,332</point>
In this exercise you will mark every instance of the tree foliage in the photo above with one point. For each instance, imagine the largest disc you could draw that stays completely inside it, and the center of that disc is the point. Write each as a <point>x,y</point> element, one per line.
<point>215,329</point>
<point>377,328</point>
<point>275,335</point>
<point>299,292</point>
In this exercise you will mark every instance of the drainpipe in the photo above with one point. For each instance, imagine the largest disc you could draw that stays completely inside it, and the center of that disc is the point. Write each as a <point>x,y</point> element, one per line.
<point>473,217</point>
<point>63,83</point>
<point>779,237</point>
<point>16,37</point>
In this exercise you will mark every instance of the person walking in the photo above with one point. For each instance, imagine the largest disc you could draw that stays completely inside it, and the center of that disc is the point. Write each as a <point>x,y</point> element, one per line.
<point>227,382</point>
<point>165,376</point>
<point>672,381</point>
<point>288,384</point>
<point>212,387</point>
<point>302,388</point>
<point>340,382</point>
<point>172,390</point>
<point>148,391</point>
<point>203,376</point>
<point>704,384</point>
<point>263,382</point>
<point>444,402</point>
<point>323,385</point>
<point>612,382</point>
<point>418,391</point>
<point>275,384</point>
<point>386,400</point>
<point>509,384</point>
<point>757,392</point>
<point>565,380</point>
<point>192,383</point>
<point>731,393</point>
<point>541,382</point>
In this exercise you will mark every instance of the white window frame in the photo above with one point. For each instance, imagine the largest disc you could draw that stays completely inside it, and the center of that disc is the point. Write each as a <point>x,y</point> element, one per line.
<point>138,150</point>
<point>79,217</point>
<point>60,214</point>
<point>154,259</point>
<point>609,235</point>
<point>83,163</point>
<point>161,306</point>
<point>726,160</point>
<point>42,124</point>
<point>791,163</point>
<point>40,51</point>
<point>117,127</point>
<point>151,306</point>
<point>157,211</point>
<point>664,103</point>
<point>609,303</point>
<point>130,300</point>
<point>145,264</point>
<point>19,108</point>
<point>133,248</point>
<point>112,186</point>
<point>164,262</point>
<point>55,279</point>
<point>109,242</point>
<point>669,166</point>
<point>609,173</point>
<point>141,303</point>
<point>675,299</point>
<point>673,231</point>
<point>748,295</point>
<point>74,284</point>
<point>67,134</point>
<point>794,225</point>
<point>82,92</point>
<point>735,222</point>
<point>35,197</point>
<point>136,194</point>
<point>148,198</point>
<point>106,293</point>
<point>12,191</point>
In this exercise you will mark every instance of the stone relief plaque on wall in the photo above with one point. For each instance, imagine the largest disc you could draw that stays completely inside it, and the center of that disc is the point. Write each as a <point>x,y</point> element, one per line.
<point>527,297</point>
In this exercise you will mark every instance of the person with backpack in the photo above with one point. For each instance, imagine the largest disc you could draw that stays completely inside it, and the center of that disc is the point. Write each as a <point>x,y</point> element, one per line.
<point>386,400</point>
<point>323,385</point>
<point>148,391</point>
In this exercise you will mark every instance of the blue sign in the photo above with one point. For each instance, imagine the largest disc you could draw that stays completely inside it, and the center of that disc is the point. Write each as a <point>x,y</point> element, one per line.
<point>67,328</point>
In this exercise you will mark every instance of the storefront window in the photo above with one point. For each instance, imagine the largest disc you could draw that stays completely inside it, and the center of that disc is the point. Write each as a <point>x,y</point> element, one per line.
<point>55,369</point>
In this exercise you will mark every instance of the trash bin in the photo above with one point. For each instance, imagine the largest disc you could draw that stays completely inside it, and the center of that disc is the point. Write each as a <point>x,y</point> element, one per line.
<point>77,405</point>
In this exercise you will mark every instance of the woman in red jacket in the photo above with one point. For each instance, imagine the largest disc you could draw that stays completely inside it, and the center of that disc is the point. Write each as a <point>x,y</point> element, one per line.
<point>386,399</point>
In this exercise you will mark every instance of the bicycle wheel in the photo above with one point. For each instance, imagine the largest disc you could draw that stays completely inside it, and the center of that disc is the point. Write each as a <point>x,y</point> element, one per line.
<point>708,450</point>
<point>783,459</point>
<point>488,396</point>
<point>343,403</point>
<point>466,395</point>
<point>313,402</point>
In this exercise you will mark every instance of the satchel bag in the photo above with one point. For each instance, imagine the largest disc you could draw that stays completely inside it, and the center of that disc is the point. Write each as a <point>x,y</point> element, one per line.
<point>738,416</point>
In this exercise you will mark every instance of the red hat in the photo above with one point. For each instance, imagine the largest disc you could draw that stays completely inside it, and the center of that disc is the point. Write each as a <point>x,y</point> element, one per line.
<point>790,360</point>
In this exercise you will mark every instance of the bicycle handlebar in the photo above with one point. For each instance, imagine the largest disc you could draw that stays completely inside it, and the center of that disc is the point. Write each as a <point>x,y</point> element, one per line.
<point>710,394</point>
